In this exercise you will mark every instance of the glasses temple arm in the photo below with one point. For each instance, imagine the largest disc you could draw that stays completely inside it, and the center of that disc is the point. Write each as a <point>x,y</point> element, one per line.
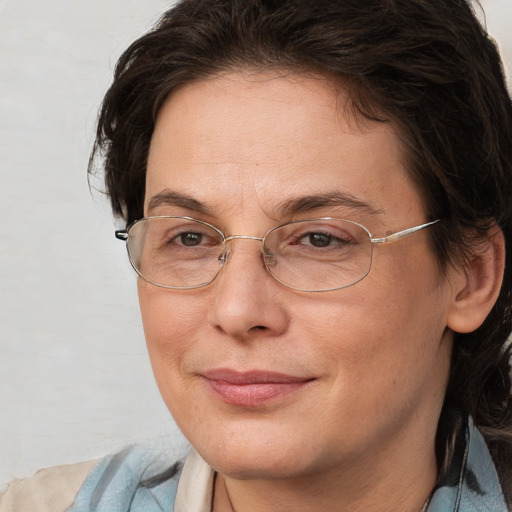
<point>402,234</point>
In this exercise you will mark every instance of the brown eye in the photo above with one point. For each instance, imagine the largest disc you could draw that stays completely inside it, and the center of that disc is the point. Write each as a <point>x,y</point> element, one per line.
<point>190,239</point>
<point>319,239</point>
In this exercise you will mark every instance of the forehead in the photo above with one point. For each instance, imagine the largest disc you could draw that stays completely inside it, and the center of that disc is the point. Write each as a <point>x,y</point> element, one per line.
<point>266,138</point>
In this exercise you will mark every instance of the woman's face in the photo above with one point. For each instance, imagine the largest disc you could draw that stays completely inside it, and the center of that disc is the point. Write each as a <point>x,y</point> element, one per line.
<point>263,380</point>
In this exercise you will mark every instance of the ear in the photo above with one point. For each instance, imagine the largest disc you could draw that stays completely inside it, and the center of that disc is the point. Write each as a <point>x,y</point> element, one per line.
<point>476,283</point>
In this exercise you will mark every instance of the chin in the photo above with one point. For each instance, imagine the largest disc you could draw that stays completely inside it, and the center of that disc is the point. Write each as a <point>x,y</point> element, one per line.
<point>260,451</point>
<point>263,465</point>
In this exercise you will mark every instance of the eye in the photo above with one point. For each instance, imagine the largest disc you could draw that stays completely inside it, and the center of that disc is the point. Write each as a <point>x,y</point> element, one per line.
<point>320,239</point>
<point>188,239</point>
<point>323,239</point>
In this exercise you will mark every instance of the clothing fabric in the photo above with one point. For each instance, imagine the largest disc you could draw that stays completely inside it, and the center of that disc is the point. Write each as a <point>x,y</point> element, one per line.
<point>134,481</point>
<point>49,490</point>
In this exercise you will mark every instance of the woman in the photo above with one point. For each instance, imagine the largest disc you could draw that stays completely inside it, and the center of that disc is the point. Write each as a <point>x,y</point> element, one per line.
<point>318,201</point>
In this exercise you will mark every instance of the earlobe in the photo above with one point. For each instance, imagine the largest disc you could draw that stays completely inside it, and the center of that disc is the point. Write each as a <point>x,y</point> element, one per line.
<point>477,284</point>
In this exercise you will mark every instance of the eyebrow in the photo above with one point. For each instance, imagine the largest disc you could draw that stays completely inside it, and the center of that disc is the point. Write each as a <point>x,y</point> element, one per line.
<point>170,198</point>
<point>289,207</point>
<point>317,201</point>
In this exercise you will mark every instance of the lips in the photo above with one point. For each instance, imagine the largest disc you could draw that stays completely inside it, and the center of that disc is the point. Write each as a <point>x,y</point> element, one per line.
<point>254,388</point>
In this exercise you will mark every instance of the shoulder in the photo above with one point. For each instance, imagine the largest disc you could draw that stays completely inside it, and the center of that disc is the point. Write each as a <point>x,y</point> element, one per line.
<point>49,490</point>
<point>136,478</point>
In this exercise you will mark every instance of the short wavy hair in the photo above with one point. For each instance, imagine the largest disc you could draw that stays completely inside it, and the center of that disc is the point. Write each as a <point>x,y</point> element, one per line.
<point>428,66</point>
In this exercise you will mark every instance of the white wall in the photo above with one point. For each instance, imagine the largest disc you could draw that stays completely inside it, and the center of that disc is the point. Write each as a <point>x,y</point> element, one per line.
<point>75,381</point>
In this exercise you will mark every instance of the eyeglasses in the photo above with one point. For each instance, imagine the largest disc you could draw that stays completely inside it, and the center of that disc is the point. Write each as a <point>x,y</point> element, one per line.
<point>310,255</point>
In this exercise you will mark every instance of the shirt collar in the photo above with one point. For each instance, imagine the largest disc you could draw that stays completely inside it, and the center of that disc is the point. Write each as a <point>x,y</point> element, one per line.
<point>476,486</point>
<point>195,489</point>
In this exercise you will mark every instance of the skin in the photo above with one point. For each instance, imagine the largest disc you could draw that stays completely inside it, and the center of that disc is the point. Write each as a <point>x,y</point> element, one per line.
<point>360,435</point>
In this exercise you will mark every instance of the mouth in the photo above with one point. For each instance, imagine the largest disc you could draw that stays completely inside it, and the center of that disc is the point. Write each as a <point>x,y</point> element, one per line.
<point>253,388</point>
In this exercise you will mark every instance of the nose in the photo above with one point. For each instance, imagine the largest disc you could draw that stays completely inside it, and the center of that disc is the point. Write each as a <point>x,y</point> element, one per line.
<point>247,300</point>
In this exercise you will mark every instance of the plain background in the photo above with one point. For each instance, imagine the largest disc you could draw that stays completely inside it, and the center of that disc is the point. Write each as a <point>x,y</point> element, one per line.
<point>75,381</point>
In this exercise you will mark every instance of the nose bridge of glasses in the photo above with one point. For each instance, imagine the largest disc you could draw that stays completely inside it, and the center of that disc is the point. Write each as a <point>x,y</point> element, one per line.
<point>243,237</point>
<point>268,257</point>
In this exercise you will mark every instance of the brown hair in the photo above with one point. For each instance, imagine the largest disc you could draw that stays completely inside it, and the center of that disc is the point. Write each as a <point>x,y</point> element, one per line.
<point>426,65</point>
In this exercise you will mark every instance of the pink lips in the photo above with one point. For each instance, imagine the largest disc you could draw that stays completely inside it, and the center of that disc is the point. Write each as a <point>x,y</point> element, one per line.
<point>250,389</point>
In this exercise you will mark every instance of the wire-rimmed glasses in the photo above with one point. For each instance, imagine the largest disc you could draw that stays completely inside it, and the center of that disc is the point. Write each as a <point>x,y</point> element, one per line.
<point>310,255</point>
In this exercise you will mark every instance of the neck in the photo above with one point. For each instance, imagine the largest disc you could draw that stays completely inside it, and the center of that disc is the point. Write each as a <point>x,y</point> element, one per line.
<point>376,486</point>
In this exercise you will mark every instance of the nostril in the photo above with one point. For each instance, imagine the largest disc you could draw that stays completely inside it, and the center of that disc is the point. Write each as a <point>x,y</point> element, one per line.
<point>259,327</point>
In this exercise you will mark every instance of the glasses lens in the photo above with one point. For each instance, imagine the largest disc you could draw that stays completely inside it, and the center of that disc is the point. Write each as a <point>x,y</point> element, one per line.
<point>319,255</point>
<point>175,252</point>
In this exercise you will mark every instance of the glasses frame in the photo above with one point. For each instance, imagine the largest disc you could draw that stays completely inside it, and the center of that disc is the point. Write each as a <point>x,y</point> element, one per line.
<point>124,234</point>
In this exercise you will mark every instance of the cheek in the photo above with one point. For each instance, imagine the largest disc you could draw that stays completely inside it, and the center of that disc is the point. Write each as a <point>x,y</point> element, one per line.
<point>383,336</point>
<point>171,322</point>
<point>167,315</point>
